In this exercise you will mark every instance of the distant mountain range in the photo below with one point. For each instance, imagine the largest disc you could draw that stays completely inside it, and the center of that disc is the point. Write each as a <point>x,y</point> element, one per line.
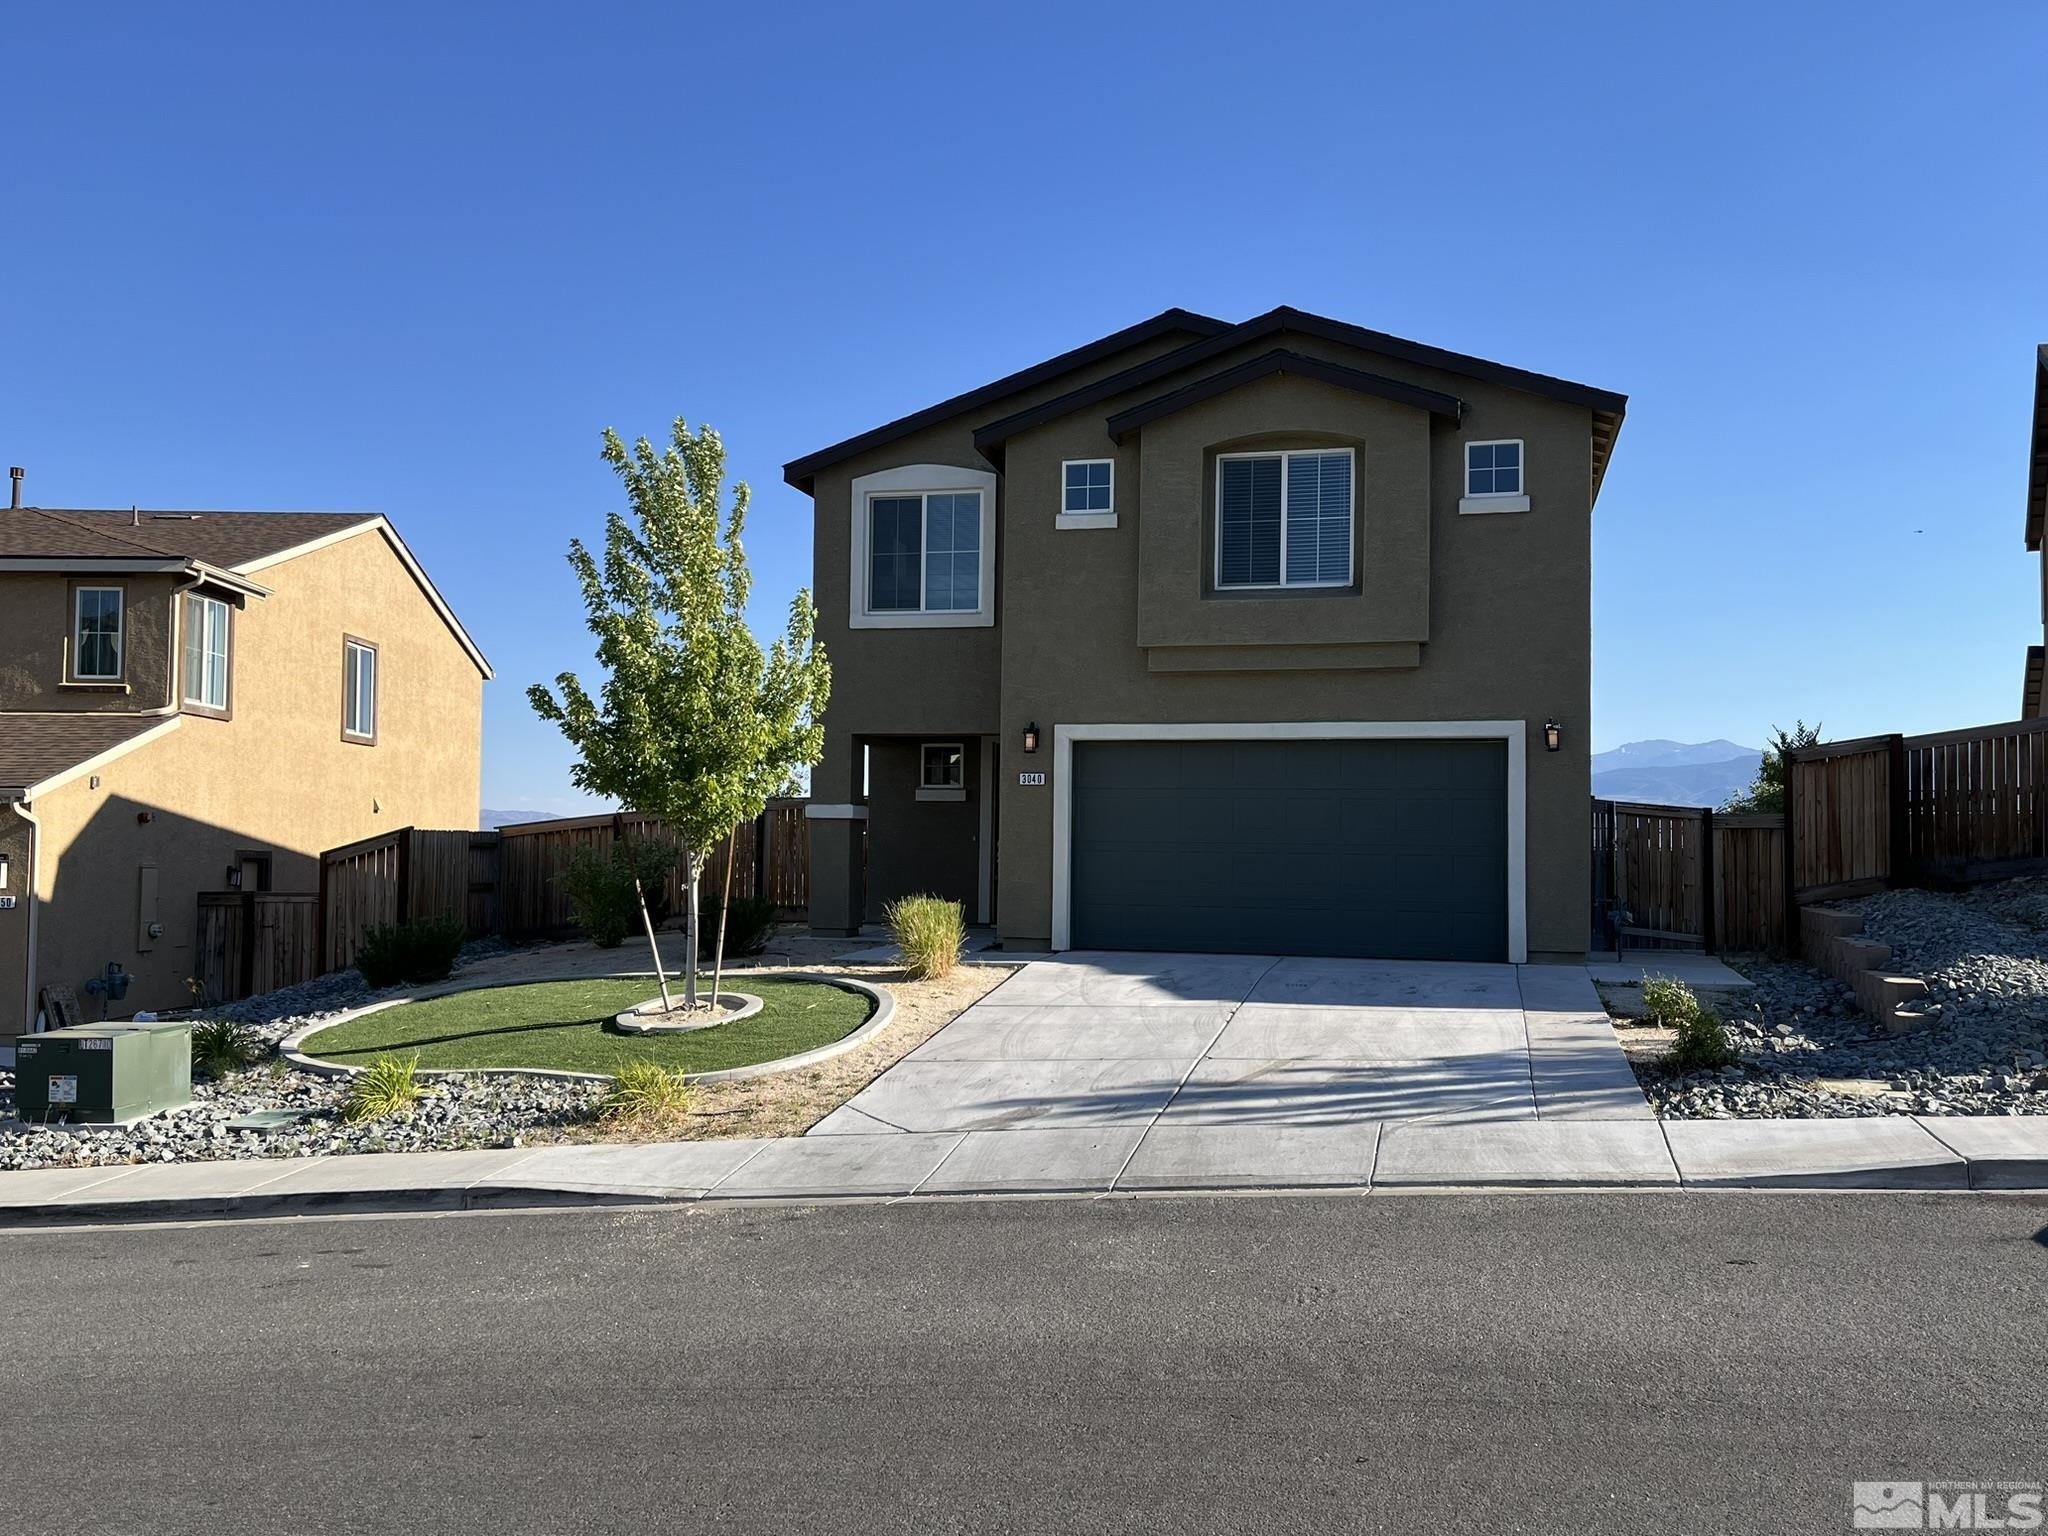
<point>1675,772</point>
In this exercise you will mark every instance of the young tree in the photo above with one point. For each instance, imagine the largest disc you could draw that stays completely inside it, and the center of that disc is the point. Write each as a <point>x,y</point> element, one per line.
<point>694,724</point>
<point>1767,791</point>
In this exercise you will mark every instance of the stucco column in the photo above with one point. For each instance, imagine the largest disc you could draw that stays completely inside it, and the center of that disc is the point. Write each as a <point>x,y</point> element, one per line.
<point>837,823</point>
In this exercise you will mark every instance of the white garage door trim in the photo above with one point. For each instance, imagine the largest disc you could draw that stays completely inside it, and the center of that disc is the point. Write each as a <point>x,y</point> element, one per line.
<point>1513,732</point>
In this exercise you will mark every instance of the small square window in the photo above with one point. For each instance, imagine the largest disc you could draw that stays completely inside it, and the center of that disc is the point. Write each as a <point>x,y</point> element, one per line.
<point>943,766</point>
<point>1493,469</point>
<point>1088,486</point>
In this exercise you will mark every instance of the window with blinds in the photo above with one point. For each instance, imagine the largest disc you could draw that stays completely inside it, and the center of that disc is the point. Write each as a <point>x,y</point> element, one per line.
<point>1284,519</point>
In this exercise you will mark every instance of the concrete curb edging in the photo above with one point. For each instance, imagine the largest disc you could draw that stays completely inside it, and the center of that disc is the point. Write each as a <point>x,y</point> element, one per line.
<point>634,1020</point>
<point>1363,1159</point>
<point>884,1010</point>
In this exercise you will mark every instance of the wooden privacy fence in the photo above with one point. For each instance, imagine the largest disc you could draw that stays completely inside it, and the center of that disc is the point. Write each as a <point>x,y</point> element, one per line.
<point>1953,806</point>
<point>769,856</point>
<point>1946,808</point>
<point>250,942</point>
<point>1687,877</point>
<point>406,874</point>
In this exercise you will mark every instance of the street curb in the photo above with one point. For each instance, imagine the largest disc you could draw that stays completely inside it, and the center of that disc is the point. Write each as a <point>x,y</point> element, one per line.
<point>884,1010</point>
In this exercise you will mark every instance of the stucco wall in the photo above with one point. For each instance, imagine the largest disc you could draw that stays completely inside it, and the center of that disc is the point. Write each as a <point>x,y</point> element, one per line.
<point>921,847</point>
<point>14,844</point>
<point>276,776</point>
<point>35,634</point>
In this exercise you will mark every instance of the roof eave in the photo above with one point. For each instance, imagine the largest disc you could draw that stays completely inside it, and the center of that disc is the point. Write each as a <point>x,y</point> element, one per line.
<point>801,473</point>
<point>1280,360</point>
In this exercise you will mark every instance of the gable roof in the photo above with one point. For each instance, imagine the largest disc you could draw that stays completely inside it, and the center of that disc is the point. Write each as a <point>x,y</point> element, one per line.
<point>801,472</point>
<point>227,539</point>
<point>1607,407</point>
<point>1280,360</point>
<point>211,542</point>
<point>2037,461</point>
<point>40,751</point>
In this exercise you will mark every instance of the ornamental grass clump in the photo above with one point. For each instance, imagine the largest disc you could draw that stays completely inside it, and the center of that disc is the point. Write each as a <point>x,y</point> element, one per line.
<point>221,1046</point>
<point>387,1085</point>
<point>645,1096</point>
<point>930,932</point>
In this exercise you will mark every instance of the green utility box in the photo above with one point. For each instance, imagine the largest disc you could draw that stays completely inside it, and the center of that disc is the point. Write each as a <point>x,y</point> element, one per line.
<point>103,1074</point>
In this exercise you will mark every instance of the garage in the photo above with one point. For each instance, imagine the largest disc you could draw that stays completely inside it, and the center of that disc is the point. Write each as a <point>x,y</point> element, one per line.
<point>1378,848</point>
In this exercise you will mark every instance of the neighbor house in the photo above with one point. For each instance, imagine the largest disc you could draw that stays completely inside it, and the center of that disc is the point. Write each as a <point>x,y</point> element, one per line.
<point>201,702</point>
<point>2032,705</point>
<point>1265,637</point>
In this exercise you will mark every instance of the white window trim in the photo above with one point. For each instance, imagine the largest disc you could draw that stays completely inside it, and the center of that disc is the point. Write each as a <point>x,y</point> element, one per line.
<point>1513,732</point>
<point>78,672</point>
<point>941,792</point>
<point>922,480</point>
<point>1094,519</point>
<point>348,726</point>
<point>227,659</point>
<point>1283,584</point>
<point>1495,501</point>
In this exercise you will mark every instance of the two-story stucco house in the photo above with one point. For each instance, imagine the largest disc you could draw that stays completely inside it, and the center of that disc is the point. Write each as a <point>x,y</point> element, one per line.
<point>1268,637</point>
<point>204,701</point>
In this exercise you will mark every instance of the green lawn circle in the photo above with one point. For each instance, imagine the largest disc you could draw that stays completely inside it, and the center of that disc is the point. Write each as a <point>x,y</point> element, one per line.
<point>559,1026</point>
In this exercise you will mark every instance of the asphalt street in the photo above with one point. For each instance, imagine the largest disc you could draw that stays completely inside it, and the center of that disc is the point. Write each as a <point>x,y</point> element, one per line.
<point>1544,1363</point>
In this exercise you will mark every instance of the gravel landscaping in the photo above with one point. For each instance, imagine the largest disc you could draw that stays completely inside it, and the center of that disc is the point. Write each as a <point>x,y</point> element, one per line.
<point>1807,1050</point>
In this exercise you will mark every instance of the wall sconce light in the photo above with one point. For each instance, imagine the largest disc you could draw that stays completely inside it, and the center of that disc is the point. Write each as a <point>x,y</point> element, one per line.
<point>234,877</point>
<point>1551,732</point>
<point>1031,737</point>
<point>3,871</point>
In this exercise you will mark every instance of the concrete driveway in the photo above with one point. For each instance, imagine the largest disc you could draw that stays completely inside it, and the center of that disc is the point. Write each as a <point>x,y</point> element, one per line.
<point>1146,1041</point>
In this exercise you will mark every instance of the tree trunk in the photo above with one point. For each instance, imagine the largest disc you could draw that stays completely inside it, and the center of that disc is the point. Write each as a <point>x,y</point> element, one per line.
<point>647,922</point>
<point>696,867</point>
<point>724,908</point>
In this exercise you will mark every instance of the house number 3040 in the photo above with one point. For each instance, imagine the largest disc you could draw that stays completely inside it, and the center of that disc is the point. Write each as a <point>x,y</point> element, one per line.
<point>1030,779</point>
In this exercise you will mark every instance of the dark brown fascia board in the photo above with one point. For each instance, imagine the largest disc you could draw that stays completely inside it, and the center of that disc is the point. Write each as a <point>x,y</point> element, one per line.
<point>1285,318</point>
<point>2030,689</point>
<point>1280,360</point>
<point>2037,460</point>
<point>801,472</point>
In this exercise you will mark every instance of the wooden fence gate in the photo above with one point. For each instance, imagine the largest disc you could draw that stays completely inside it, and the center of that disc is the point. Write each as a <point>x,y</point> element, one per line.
<point>250,942</point>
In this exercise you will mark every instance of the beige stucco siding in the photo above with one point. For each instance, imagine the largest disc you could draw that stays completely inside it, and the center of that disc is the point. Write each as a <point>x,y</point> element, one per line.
<point>35,637</point>
<point>274,777</point>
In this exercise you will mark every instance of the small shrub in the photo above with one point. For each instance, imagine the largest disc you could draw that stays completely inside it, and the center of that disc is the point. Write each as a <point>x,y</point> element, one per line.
<point>1702,1043</point>
<point>647,1094</point>
<point>1669,1004</point>
<point>387,1085</point>
<point>599,885</point>
<point>930,932</point>
<point>221,1046</point>
<point>421,950</point>
<point>748,922</point>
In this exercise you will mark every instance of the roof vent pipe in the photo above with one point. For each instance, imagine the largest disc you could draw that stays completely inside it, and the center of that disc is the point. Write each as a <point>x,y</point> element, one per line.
<point>16,474</point>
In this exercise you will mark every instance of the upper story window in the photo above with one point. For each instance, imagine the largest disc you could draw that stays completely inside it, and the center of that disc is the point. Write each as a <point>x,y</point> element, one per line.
<point>1494,469</point>
<point>1493,477</point>
<point>1090,485</point>
<point>97,646</point>
<point>206,652</point>
<point>925,553</point>
<point>358,690</point>
<point>923,548</point>
<point>1284,519</point>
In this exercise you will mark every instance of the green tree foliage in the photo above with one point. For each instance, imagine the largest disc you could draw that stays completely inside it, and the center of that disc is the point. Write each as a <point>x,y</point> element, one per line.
<point>1767,791</point>
<point>694,723</point>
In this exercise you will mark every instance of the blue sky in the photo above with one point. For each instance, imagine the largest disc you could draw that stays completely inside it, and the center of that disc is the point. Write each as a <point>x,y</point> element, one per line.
<point>413,258</point>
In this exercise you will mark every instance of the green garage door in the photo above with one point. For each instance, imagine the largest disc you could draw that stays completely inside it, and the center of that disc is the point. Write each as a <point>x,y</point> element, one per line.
<point>1390,849</point>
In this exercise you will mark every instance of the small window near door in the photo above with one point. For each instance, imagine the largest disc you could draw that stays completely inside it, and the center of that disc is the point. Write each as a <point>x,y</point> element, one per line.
<point>359,691</point>
<point>942,771</point>
<point>206,653</point>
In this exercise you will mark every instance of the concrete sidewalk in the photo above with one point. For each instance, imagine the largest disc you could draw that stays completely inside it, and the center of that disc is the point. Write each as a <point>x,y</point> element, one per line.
<point>1889,1153</point>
